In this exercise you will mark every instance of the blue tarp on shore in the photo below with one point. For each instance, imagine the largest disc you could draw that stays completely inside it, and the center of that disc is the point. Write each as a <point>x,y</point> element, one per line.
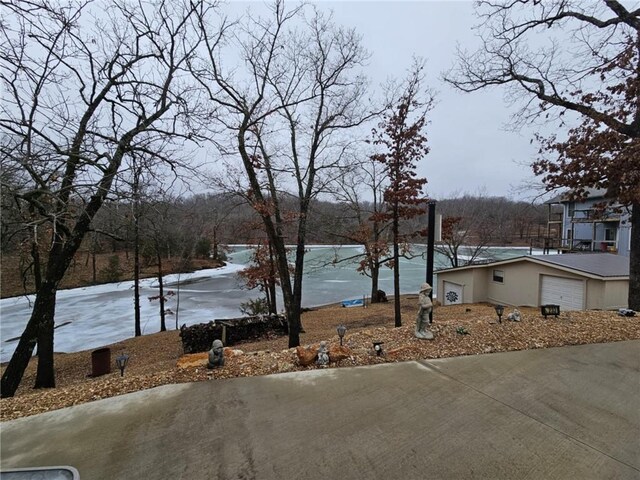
<point>356,302</point>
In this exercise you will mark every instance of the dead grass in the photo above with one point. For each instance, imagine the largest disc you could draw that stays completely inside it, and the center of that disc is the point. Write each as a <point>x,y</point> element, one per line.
<point>80,272</point>
<point>154,357</point>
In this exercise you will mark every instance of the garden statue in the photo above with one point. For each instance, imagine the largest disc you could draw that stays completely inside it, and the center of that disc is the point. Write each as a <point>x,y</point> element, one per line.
<point>323,354</point>
<point>515,315</point>
<point>422,322</point>
<point>216,355</point>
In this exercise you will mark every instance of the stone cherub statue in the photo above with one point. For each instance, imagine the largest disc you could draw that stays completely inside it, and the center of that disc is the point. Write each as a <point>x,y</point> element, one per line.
<point>216,354</point>
<point>323,354</point>
<point>422,322</point>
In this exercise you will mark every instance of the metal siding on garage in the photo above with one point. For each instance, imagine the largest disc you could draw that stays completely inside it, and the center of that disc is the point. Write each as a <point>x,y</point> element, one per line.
<point>566,292</point>
<point>452,293</point>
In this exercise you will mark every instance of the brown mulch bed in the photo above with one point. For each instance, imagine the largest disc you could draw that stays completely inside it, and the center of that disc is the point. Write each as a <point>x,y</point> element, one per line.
<point>154,357</point>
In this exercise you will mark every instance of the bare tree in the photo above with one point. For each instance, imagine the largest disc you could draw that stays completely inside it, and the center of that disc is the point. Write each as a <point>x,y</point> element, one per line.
<point>84,86</point>
<point>213,214</point>
<point>159,240</point>
<point>466,234</point>
<point>580,58</point>
<point>362,191</point>
<point>298,93</point>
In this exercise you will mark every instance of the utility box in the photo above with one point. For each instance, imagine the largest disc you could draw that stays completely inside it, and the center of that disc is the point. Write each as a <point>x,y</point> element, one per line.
<point>100,362</point>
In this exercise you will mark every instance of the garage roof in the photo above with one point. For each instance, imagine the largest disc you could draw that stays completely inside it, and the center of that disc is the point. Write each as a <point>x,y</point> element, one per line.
<point>604,265</point>
<point>601,264</point>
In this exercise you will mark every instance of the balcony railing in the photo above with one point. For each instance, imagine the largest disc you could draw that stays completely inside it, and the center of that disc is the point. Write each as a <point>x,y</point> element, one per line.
<point>587,245</point>
<point>593,215</point>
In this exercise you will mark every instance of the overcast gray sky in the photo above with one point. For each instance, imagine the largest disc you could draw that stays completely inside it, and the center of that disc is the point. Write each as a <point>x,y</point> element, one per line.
<point>470,147</point>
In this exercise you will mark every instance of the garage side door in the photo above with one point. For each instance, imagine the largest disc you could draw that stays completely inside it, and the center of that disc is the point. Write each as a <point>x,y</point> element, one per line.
<point>566,292</point>
<point>452,293</point>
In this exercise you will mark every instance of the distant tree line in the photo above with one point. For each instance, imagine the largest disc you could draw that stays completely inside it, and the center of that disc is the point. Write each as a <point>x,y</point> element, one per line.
<point>201,225</point>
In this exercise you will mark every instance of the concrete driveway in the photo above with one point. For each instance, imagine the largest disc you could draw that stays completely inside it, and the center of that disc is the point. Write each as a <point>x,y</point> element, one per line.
<point>564,413</point>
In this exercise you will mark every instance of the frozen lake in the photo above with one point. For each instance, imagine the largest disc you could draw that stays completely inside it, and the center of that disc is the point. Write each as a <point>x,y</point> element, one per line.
<point>103,314</point>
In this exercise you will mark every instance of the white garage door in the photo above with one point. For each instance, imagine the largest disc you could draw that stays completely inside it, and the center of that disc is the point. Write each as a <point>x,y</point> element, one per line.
<point>452,293</point>
<point>566,292</point>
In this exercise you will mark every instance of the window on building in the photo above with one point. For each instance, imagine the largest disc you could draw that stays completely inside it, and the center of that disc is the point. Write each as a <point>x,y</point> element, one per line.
<point>610,234</point>
<point>498,276</point>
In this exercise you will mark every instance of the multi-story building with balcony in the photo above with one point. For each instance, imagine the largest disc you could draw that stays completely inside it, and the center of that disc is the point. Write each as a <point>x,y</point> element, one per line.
<point>590,225</point>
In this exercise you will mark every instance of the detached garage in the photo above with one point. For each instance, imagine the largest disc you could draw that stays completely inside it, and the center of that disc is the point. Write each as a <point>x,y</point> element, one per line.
<point>593,281</point>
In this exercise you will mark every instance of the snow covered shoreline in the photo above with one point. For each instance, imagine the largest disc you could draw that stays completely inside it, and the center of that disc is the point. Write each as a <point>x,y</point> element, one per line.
<point>103,314</point>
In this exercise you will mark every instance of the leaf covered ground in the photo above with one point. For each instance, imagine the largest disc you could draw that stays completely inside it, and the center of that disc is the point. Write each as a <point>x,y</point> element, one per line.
<point>154,357</point>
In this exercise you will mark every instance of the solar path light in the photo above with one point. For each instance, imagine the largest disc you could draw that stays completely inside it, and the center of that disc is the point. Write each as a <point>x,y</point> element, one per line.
<point>121,362</point>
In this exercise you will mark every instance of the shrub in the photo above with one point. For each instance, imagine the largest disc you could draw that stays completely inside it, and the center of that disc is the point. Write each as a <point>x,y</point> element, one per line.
<point>111,273</point>
<point>203,247</point>
<point>259,306</point>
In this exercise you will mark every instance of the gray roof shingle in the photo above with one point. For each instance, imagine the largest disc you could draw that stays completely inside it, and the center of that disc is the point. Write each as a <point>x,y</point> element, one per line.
<point>601,264</point>
<point>604,265</point>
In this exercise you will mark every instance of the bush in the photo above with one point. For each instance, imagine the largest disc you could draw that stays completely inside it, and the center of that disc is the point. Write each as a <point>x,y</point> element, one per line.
<point>259,306</point>
<point>111,273</point>
<point>203,247</point>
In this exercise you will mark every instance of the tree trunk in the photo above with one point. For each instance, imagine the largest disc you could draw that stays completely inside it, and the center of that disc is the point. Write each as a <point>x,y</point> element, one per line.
<point>94,273</point>
<point>374,262</point>
<point>136,277</point>
<point>266,288</point>
<point>396,273</point>
<point>290,297</point>
<point>297,283</point>
<point>292,313</point>
<point>375,276</point>
<point>20,359</point>
<point>177,314</point>
<point>43,312</point>
<point>271,285</point>
<point>271,293</point>
<point>45,375</point>
<point>37,268</point>
<point>163,326</point>
<point>634,259</point>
